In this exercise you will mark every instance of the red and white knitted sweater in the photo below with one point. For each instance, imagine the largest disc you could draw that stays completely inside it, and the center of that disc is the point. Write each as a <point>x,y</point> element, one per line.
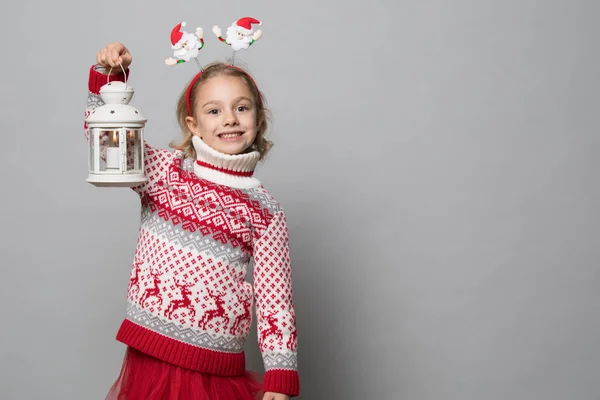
<point>188,301</point>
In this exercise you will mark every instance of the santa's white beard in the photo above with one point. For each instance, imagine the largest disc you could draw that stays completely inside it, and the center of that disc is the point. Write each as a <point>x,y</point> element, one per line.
<point>237,44</point>
<point>185,54</point>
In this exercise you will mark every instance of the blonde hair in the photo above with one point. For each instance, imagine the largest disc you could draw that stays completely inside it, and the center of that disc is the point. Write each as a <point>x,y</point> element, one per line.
<point>261,144</point>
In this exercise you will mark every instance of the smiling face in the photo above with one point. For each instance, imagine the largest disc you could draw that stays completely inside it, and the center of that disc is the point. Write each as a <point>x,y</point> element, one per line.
<point>224,114</point>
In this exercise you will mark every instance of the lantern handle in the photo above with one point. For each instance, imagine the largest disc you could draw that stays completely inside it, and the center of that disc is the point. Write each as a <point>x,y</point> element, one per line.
<point>124,73</point>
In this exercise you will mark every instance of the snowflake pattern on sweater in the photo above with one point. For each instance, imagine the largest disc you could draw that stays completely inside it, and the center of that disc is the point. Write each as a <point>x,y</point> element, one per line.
<point>188,300</point>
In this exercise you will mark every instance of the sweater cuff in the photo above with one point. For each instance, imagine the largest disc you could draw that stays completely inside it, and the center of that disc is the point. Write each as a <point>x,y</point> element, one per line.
<point>98,79</point>
<point>281,381</point>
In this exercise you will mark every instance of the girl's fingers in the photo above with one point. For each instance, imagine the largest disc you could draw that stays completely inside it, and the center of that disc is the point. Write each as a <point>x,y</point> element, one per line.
<point>112,55</point>
<point>101,57</point>
<point>105,57</point>
<point>126,59</point>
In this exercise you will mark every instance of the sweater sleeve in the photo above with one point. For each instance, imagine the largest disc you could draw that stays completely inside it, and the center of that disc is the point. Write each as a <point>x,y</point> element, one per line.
<point>156,160</point>
<point>276,321</point>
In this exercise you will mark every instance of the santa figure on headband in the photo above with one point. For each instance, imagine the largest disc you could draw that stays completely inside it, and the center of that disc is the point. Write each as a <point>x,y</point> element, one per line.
<point>240,34</point>
<point>185,45</point>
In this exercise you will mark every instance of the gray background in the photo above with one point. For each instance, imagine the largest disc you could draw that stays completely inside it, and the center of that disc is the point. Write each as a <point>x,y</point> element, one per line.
<point>437,161</point>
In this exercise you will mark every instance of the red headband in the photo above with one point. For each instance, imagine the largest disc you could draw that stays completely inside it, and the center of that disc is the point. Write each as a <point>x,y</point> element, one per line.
<point>188,95</point>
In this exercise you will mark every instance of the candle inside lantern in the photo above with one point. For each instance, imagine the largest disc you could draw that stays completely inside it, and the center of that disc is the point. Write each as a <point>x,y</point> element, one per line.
<point>112,154</point>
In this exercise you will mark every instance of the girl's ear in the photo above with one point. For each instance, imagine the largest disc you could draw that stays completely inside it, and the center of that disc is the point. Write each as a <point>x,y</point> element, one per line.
<point>260,123</point>
<point>192,126</point>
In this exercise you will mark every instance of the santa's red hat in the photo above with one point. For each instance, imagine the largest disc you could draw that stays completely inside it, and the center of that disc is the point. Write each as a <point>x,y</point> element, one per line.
<point>176,34</point>
<point>244,25</point>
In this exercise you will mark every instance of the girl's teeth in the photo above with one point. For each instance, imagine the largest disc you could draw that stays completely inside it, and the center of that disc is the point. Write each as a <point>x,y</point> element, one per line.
<point>230,135</point>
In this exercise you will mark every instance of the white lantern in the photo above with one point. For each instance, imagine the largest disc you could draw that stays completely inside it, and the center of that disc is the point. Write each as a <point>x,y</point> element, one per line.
<point>116,141</point>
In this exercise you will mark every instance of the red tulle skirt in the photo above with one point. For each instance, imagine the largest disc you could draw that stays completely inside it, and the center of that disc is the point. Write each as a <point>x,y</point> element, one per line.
<point>144,377</point>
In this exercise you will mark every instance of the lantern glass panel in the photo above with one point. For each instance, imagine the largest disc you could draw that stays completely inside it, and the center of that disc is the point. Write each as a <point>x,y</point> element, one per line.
<point>92,141</point>
<point>111,139</point>
<point>134,150</point>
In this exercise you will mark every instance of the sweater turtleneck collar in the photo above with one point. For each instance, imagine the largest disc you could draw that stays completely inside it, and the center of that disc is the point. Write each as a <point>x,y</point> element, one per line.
<point>225,169</point>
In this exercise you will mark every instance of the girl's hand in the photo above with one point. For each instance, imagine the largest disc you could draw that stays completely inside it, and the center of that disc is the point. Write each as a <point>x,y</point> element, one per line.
<point>275,396</point>
<point>112,55</point>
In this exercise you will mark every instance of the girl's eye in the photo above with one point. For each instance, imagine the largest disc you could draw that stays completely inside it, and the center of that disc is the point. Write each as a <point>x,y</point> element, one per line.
<point>242,108</point>
<point>213,111</point>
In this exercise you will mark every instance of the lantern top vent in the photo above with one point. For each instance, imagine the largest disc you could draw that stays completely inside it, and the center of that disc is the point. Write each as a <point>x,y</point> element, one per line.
<point>116,111</point>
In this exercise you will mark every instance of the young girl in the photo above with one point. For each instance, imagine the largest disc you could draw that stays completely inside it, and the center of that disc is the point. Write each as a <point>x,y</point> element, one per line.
<point>204,217</point>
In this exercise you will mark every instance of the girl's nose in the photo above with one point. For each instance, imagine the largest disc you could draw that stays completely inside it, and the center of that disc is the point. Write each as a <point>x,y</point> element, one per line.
<point>230,118</point>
